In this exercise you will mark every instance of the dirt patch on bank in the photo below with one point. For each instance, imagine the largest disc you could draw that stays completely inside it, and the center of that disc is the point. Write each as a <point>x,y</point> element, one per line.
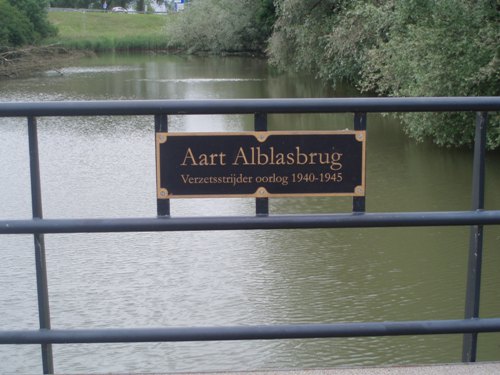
<point>25,62</point>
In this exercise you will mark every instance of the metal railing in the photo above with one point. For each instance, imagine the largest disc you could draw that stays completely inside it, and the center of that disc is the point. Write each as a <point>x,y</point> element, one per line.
<point>477,217</point>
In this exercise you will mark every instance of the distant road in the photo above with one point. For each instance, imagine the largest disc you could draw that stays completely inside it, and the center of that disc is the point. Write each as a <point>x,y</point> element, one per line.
<point>95,10</point>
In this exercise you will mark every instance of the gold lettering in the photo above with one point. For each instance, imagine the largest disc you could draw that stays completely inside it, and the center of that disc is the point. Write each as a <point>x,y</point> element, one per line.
<point>241,155</point>
<point>217,159</point>
<point>222,160</point>
<point>321,160</point>
<point>272,155</point>
<point>301,157</point>
<point>280,158</point>
<point>312,155</point>
<point>204,159</point>
<point>189,155</point>
<point>336,165</point>
<point>262,159</point>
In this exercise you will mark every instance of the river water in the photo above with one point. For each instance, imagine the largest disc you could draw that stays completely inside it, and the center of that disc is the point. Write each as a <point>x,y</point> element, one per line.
<point>105,167</point>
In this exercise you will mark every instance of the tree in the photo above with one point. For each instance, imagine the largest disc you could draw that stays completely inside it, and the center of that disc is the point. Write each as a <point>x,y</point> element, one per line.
<point>147,5</point>
<point>78,4</point>
<point>451,49</point>
<point>222,26</point>
<point>298,40</point>
<point>398,48</point>
<point>15,28</point>
<point>265,17</point>
<point>36,12</point>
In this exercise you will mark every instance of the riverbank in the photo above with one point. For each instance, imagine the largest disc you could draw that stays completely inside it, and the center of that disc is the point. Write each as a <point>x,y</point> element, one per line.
<point>85,33</point>
<point>24,62</point>
<point>109,31</point>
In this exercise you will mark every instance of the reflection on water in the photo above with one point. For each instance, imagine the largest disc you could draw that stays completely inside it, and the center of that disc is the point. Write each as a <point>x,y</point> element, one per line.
<point>105,167</point>
<point>96,69</point>
<point>202,80</point>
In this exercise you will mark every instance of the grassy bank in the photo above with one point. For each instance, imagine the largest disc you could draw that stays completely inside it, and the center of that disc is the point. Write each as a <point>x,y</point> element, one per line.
<point>26,61</point>
<point>109,31</point>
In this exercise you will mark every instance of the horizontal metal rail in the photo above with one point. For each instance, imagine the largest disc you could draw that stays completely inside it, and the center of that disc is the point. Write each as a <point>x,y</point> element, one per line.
<point>365,220</point>
<point>246,106</point>
<point>261,332</point>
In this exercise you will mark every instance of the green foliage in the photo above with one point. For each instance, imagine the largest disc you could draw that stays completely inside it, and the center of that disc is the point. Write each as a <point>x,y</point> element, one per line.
<point>452,51</point>
<point>109,31</point>
<point>140,6</point>
<point>399,48</point>
<point>36,11</point>
<point>356,30</point>
<point>265,17</point>
<point>15,28</point>
<point>79,4</point>
<point>221,25</point>
<point>298,40</point>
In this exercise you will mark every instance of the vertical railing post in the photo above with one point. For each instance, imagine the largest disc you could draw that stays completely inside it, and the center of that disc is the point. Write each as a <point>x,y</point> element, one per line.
<point>162,205</point>
<point>469,350</point>
<point>359,203</point>
<point>261,204</point>
<point>40,261</point>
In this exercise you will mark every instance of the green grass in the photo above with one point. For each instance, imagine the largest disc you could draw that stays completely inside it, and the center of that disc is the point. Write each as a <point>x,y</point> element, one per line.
<point>109,31</point>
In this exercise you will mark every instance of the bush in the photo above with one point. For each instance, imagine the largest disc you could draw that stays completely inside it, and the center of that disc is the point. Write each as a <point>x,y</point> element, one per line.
<point>299,39</point>
<point>15,28</point>
<point>399,48</point>
<point>221,25</point>
<point>450,52</point>
<point>36,12</point>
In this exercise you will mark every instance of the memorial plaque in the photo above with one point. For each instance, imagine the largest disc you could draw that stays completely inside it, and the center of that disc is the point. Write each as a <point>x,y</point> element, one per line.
<point>260,164</point>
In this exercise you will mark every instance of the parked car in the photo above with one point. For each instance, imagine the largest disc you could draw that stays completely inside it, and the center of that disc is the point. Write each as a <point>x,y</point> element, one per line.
<point>119,10</point>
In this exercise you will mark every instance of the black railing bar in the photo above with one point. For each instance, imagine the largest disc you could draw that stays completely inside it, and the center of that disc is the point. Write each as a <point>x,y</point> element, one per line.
<point>359,203</point>
<point>39,244</point>
<point>161,125</point>
<point>367,220</point>
<point>247,106</point>
<point>258,332</point>
<point>260,125</point>
<point>474,264</point>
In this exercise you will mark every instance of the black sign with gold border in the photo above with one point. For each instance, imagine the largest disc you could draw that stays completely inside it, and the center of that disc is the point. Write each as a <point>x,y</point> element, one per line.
<point>260,164</point>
